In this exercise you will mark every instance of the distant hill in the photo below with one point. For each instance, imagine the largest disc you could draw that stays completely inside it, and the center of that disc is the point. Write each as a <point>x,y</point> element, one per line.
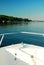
<point>4,19</point>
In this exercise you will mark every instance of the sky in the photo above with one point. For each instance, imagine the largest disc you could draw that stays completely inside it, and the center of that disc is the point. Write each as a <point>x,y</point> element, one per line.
<point>32,9</point>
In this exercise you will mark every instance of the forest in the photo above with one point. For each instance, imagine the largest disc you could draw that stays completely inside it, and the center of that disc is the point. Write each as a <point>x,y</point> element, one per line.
<point>4,19</point>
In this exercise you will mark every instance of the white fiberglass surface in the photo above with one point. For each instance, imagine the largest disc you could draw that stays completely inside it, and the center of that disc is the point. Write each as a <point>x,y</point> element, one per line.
<point>32,55</point>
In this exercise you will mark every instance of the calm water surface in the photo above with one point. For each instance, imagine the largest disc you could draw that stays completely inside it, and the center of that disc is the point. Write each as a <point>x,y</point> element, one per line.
<point>37,27</point>
<point>27,27</point>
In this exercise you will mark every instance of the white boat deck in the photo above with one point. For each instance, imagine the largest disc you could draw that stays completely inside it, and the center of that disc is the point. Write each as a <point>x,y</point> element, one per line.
<point>26,53</point>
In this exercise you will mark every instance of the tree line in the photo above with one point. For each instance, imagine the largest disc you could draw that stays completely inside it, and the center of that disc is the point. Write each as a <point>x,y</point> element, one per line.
<point>4,19</point>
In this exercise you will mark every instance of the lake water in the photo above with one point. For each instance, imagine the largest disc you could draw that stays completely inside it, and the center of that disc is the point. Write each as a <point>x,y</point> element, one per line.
<point>27,27</point>
<point>37,27</point>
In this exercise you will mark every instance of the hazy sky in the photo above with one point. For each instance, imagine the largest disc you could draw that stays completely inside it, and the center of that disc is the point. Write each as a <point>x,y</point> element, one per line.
<point>32,9</point>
